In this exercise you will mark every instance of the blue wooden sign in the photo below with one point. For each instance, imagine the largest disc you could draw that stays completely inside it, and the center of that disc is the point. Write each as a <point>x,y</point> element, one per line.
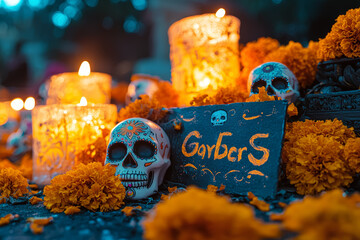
<point>238,145</point>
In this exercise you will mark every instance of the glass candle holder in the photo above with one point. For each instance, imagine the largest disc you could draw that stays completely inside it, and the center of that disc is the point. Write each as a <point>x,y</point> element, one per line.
<point>204,52</point>
<point>68,88</point>
<point>66,135</point>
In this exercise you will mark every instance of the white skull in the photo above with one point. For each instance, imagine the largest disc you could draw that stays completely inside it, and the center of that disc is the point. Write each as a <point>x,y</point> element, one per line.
<point>141,84</point>
<point>276,78</point>
<point>140,150</point>
<point>218,118</point>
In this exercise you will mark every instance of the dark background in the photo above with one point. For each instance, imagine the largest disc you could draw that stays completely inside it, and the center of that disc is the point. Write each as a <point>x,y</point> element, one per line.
<point>122,37</point>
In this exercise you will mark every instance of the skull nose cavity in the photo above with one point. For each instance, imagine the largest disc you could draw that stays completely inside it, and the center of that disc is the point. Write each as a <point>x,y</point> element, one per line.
<point>270,91</point>
<point>129,162</point>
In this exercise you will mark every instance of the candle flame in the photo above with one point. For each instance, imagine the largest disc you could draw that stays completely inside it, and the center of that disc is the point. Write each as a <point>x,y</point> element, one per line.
<point>83,102</point>
<point>220,13</point>
<point>17,104</point>
<point>84,69</point>
<point>29,103</point>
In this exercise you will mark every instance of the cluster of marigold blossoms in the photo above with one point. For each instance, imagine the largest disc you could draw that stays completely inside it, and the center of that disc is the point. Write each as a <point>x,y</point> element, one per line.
<point>198,214</point>
<point>320,155</point>
<point>12,184</point>
<point>330,216</point>
<point>302,61</point>
<point>343,39</point>
<point>92,186</point>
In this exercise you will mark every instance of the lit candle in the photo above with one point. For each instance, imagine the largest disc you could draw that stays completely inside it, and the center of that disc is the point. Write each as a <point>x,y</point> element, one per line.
<point>65,135</point>
<point>68,88</point>
<point>204,52</point>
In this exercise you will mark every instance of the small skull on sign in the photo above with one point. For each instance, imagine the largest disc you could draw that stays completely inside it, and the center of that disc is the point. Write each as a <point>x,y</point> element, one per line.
<point>218,118</point>
<point>276,78</point>
<point>140,150</point>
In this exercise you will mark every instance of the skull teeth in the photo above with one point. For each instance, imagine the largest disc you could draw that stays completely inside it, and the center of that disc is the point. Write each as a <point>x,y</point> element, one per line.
<point>136,184</point>
<point>133,177</point>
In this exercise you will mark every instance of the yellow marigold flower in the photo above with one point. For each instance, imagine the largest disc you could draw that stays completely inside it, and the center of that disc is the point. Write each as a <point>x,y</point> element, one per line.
<point>92,186</point>
<point>12,183</point>
<point>197,214</point>
<point>330,216</point>
<point>315,163</point>
<point>253,54</point>
<point>352,154</point>
<point>301,61</point>
<point>35,200</point>
<point>343,39</point>
<point>144,108</point>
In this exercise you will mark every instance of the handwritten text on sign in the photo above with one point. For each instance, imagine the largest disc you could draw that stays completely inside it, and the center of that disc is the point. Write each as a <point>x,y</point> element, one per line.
<point>238,145</point>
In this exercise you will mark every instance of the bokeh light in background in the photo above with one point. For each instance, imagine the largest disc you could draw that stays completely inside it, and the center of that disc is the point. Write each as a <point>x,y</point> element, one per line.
<point>121,37</point>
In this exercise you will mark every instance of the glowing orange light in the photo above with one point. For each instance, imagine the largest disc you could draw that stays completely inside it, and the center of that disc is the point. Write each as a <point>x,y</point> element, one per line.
<point>84,69</point>
<point>204,83</point>
<point>17,104</point>
<point>83,102</point>
<point>29,103</point>
<point>220,13</point>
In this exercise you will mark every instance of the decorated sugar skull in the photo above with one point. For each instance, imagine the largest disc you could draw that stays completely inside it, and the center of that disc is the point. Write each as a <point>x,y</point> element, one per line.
<point>140,150</point>
<point>218,118</point>
<point>276,78</point>
<point>141,84</point>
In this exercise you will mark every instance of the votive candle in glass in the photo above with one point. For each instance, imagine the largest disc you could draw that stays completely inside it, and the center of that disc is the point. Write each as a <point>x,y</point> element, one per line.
<point>65,135</point>
<point>69,87</point>
<point>204,52</point>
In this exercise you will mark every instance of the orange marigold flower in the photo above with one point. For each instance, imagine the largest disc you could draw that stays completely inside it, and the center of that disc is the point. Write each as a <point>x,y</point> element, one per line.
<point>343,39</point>
<point>25,166</point>
<point>12,183</point>
<point>292,110</point>
<point>128,211</point>
<point>144,108</point>
<point>222,96</point>
<point>352,154</point>
<point>301,61</point>
<point>260,204</point>
<point>7,219</point>
<point>35,200</point>
<point>92,186</point>
<point>212,188</point>
<point>253,54</point>
<point>276,216</point>
<point>166,94</point>
<point>315,163</point>
<point>40,220</point>
<point>330,216</point>
<point>329,128</point>
<point>262,96</point>
<point>72,210</point>
<point>197,214</point>
<point>172,189</point>
<point>36,228</point>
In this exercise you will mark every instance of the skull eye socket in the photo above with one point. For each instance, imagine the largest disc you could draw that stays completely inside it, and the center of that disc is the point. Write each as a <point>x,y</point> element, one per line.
<point>222,118</point>
<point>280,83</point>
<point>255,87</point>
<point>144,149</point>
<point>117,151</point>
